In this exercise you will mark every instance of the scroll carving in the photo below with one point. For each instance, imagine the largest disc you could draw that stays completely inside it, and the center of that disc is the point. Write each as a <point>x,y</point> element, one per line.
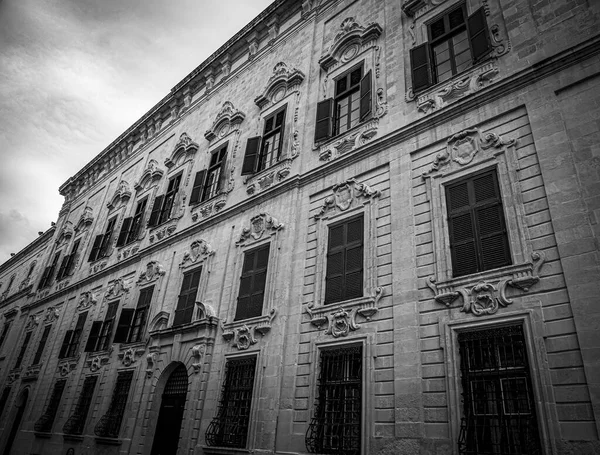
<point>344,194</point>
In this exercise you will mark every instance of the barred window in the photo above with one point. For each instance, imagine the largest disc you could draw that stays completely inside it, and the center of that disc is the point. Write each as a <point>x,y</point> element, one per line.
<point>230,427</point>
<point>40,350</point>
<point>252,283</point>
<point>76,422</point>
<point>44,423</point>
<point>109,425</point>
<point>23,350</point>
<point>498,403</point>
<point>335,427</point>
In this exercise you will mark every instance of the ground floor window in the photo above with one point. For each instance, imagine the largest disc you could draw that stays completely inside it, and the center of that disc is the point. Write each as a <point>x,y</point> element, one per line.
<point>498,402</point>
<point>336,425</point>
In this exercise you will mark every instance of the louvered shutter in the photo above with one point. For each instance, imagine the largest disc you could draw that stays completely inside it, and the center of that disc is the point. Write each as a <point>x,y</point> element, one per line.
<point>354,259</point>
<point>90,345</point>
<point>65,344</point>
<point>63,267</point>
<point>479,36</point>
<point>197,188</point>
<point>96,248</point>
<point>124,325</point>
<point>462,232</point>
<point>420,67</point>
<point>365,96</point>
<point>124,231</point>
<point>334,277</point>
<point>252,283</point>
<point>72,256</point>
<point>323,125</point>
<point>223,174</point>
<point>251,156</point>
<point>156,208</point>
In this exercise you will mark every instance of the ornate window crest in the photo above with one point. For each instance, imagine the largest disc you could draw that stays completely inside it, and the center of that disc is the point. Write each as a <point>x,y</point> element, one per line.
<point>32,322</point>
<point>345,194</point>
<point>86,300</point>
<point>284,80</point>
<point>97,362</point>
<point>159,322</point>
<point>121,196</point>
<point>259,225</point>
<point>228,119</point>
<point>116,289</point>
<point>199,252</point>
<point>130,355</point>
<point>51,315</point>
<point>85,220</point>
<point>183,151</point>
<point>151,174</point>
<point>65,234</point>
<point>154,270</point>
<point>66,366</point>
<point>244,336</point>
<point>340,322</point>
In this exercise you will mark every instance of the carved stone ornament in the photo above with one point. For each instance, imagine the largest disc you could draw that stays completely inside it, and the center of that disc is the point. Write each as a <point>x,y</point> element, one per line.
<point>284,80</point>
<point>151,360</point>
<point>51,315</point>
<point>13,376</point>
<point>66,366</point>
<point>97,362</point>
<point>130,250</point>
<point>183,151</point>
<point>199,251</point>
<point>486,297</point>
<point>209,207</point>
<point>121,196</point>
<point>151,174</point>
<point>86,300</point>
<point>273,175</point>
<point>307,6</point>
<point>85,220</point>
<point>128,357</point>
<point>198,352</point>
<point>98,266</point>
<point>244,333</point>
<point>344,195</point>
<point>66,233</point>
<point>32,322</point>
<point>228,119</point>
<point>259,225</point>
<point>154,270</point>
<point>32,372</point>
<point>463,148</point>
<point>350,40</point>
<point>116,289</point>
<point>163,231</point>
<point>252,41</point>
<point>351,141</point>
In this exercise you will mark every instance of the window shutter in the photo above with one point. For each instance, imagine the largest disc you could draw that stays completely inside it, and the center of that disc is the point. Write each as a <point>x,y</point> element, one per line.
<point>63,268</point>
<point>155,211</point>
<point>124,325</point>
<point>365,96</point>
<point>462,232</point>
<point>323,124</point>
<point>65,344</point>
<point>223,174</point>
<point>124,231</point>
<point>251,155</point>
<point>198,185</point>
<point>479,36</point>
<point>95,248</point>
<point>90,346</point>
<point>421,67</point>
<point>43,279</point>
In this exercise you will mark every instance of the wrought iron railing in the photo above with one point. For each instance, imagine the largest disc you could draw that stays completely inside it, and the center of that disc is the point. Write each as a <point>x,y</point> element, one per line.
<point>110,423</point>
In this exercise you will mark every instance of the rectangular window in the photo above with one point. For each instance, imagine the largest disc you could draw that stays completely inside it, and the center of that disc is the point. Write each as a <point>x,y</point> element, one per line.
<point>23,350</point>
<point>68,263</point>
<point>5,330</point>
<point>263,152</point>
<point>478,237</point>
<point>252,283</point>
<point>136,224</point>
<point>498,402</point>
<point>102,242</point>
<point>107,327</point>
<point>186,301</point>
<point>48,273</point>
<point>347,100</point>
<point>110,423</point>
<point>230,426</point>
<point>41,345</point>
<point>4,399</point>
<point>344,276</point>
<point>167,205</point>
<point>71,340</point>
<point>45,422</point>
<point>215,174</point>
<point>76,422</point>
<point>336,425</point>
<point>132,322</point>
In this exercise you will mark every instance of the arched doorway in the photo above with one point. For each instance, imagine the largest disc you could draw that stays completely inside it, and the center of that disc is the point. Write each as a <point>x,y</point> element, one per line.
<point>170,416</point>
<point>21,404</point>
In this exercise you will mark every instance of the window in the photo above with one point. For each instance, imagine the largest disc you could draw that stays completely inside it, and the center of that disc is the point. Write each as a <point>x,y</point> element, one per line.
<point>132,322</point>
<point>187,297</point>
<point>252,283</point>
<point>4,399</point>
<point>478,237</point>
<point>72,337</point>
<point>230,426</point>
<point>350,105</point>
<point>5,330</point>
<point>102,242</point>
<point>40,350</point>
<point>335,427</point>
<point>130,230</point>
<point>110,423</point>
<point>68,263</point>
<point>101,331</point>
<point>344,276</point>
<point>48,273</point>
<point>44,423</point>
<point>76,422</point>
<point>454,45</point>
<point>10,283</point>
<point>263,152</point>
<point>209,183</point>
<point>498,402</point>
<point>23,350</point>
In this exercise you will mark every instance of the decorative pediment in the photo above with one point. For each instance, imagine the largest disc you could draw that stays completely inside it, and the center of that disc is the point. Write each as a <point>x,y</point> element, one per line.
<point>351,39</point>
<point>130,355</point>
<point>345,195</point>
<point>228,119</point>
<point>85,220</point>
<point>154,270</point>
<point>151,174</point>
<point>121,196</point>
<point>184,150</point>
<point>159,321</point>
<point>199,251</point>
<point>116,289</point>
<point>65,234</point>
<point>51,315</point>
<point>86,300</point>
<point>97,362</point>
<point>32,322</point>
<point>260,225</point>
<point>283,81</point>
<point>243,334</point>
<point>354,139</point>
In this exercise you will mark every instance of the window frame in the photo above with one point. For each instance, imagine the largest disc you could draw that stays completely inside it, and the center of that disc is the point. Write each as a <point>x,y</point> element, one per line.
<point>346,94</point>
<point>191,271</point>
<point>267,135</point>
<point>210,191</point>
<point>252,276</point>
<point>80,413</point>
<point>72,338</point>
<point>173,188</point>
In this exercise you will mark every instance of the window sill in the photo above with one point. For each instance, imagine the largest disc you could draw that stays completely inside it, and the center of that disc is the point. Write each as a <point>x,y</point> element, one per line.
<point>42,435</point>
<point>108,441</point>
<point>209,207</point>
<point>208,450</point>
<point>194,326</point>
<point>163,230</point>
<point>72,437</point>
<point>352,139</point>
<point>129,249</point>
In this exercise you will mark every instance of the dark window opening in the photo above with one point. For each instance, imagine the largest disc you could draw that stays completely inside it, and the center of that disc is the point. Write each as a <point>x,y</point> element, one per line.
<point>48,273</point>
<point>171,194</point>
<point>102,242</point>
<point>215,175</point>
<point>252,283</point>
<point>68,263</point>
<point>186,301</point>
<point>101,331</point>
<point>45,422</point>
<point>23,350</point>
<point>72,338</point>
<point>264,152</point>
<point>4,399</point>
<point>40,350</point>
<point>110,423</point>
<point>5,330</point>
<point>131,227</point>
<point>132,322</point>
<point>76,422</point>
<point>347,101</point>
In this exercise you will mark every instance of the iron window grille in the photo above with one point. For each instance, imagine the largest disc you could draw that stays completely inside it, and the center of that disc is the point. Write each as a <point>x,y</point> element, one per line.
<point>45,422</point>
<point>40,350</point>
<point>110,423</point>
<point>76,422</point>
<point>252,283</point>
<point>498,403</point>
<point>264,152</point>
<point>23,349</point>
<point>4,399</point>
<point>130,229</point>
<point>72,338</point>
<point>336,425</point>
<point>132,321</point>
<point>186,301</point>
<point>230,426</point>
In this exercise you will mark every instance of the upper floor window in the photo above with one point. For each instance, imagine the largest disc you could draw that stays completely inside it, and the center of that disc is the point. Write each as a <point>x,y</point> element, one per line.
<point>5,330</point>
<point>130,230</point>
<point>102,242</point>
<point>163,204</point>
<point>252,283</point>
<point>132,321</point>
<point>101,331</point>
<point>68,262</point>
<point>208,183</point>
<point>72,338</point>
<point>455,43</point>
<point>23,349</point>
<point>187,297</point>
<point>263,152</point>
<point>48,273</point>
<point>42,344</point>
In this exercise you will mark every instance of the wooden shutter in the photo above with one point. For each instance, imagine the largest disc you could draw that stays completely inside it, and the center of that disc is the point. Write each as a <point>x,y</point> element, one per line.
<point>479,36</point>
<point>463,246</point>
<point>124,325</point>
<point>44,277</point>
<point>90,345</point>
<point>251,155</point>
<point>124,231</point>
<point>420,67</point>
<point>187,297</point>
<point>323,125</point>
<point>96,248</point>
<point>63,267</point>
<point>252,283</point>
<point>65,344</point>
<point>153,221</point>
<point>365,96</point>
<point>223,173</point>
<point>197,188</point>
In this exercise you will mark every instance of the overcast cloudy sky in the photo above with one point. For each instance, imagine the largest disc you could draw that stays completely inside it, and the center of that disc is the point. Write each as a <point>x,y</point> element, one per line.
<point>74,74</point>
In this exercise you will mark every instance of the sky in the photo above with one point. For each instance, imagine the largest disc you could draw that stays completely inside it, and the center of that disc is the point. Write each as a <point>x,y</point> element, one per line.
<point>75,74</point>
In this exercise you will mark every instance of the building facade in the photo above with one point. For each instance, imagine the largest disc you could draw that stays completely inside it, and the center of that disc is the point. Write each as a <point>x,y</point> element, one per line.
<point>360,227</point>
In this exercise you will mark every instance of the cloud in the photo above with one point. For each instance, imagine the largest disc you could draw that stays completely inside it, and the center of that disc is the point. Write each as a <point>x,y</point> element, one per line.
<point>16,232</point>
